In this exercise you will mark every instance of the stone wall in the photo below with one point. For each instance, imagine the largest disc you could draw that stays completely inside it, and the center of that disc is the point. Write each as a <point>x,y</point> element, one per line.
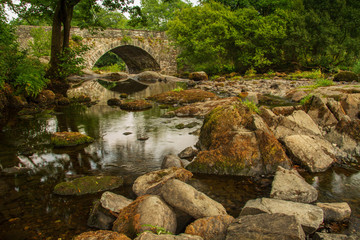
<point>141,50</point>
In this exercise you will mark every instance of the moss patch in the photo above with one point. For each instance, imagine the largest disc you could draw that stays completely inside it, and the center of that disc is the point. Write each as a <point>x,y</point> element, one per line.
<point>88,184</point>
<point>69,139</point>
<point>136,105</point>
<point>182,97</point>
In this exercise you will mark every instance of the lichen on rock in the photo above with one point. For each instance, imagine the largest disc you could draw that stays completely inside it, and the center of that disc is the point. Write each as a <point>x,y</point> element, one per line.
<point>69,139</point>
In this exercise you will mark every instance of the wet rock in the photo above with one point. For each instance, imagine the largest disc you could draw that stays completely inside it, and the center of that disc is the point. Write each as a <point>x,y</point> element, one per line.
<point>188,152</point>
<point>186,198</point>
<point>329,236</point>
<point>101,235</point>
<point>152,182</point>
<point>63,101</point>
<point>153,236</point>
<point>29,111</point>
<point>16,170</point>
<point>266,226</point>
<point>69,139</point>
<point>45,97</point>
<point>198,76</point>
<point>82,98</point>
<point>100,217</point>
<point>346,77</point>
<point>335,212</point>
<point>88,184</point>
<point>148,77</point>
<point>182,97</point>
<point>114,102</point>
<point>171,161</point>
<point>114,202</point>
<point>116,76</point>
<point>123,95</point>
<point>143,214</point>
<point>210,228</point>
<point>309,152</point>
<point>234,142</point>
<point>136,105</point>
<point>289,185</point>
<point>309,216</point>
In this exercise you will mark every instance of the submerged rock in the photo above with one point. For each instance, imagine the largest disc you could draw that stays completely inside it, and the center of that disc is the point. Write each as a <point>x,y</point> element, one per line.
<point>184,96</point>
<point>266,226</point>
<point>69,139</point>
<point>186,198</point>
<point>289,185</point>
<point>143,214</point>
<point>309,216</point>
<point>152,182</point>
<point>88,184</point>
<point>101,235</point>
<point>236,141</point>
<point>210,228</point>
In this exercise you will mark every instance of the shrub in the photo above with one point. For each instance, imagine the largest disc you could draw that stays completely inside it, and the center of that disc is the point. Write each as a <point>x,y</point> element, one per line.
<point>314,74</point>
<point>251,105</point>
<point>356,68</point>
<point>346,77</point>
<point>41,43</point>
<point>306,99</point>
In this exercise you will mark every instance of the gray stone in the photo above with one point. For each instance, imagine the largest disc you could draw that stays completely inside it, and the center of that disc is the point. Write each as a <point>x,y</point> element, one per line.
<point>309,216</point>
<point>152,182</point>
<point>308,152</point>
<point>351,105</point>
<point>198,76</point>
<point>148,77</point>
<point>100,217</point>
<point>210,228</point>
<point>153,236</point>
<point>267,227</point>
<point>329,236</point>
<point>320,113</point>
<point>335,212</point>
<point>114,202</point>
<point>171,160</point>
<point>186,198</point>
<point>188,152</point>
<point>289,185</point>
<point>298,95</point>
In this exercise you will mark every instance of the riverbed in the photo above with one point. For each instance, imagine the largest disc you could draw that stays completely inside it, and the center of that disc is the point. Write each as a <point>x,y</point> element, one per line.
<point>29,209</point>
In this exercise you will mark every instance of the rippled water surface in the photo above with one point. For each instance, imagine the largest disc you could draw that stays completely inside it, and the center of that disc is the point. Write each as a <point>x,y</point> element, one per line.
<point>29,209</point>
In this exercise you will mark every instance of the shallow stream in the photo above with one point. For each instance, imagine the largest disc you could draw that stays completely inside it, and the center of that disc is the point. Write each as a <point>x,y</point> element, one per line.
<point>29,209</point>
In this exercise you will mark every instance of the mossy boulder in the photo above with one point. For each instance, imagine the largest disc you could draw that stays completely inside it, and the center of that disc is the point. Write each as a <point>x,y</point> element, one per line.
<point>69,139</point>
<point>136,105</point>
<point>88,184</point>
<point>198,76</point>
<point>236,141</point>
<point>346,77</point>
<point>183,97</point>
<point>100,235</point>
<point>114,102</point>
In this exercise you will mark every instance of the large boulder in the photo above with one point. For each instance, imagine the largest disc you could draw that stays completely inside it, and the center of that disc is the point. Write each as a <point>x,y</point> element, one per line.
<point>335,212</point>
<point>88,184</point>
<point>309,216</point>
<point>153,236</point>
<point>114,202</point>
<point>351,105</point>
<point>309,152</point>
<point>69,139</point>
<point>143,214</point>
<point>320,113</point>
<point>289,185</point>
<point>101,235</point>
<point>210,228</point>
<point>183,97</point>
<point>186,198</point>
<point>266,227</point>
<point>198,76</point>
<point>236,141</point>
<point>346,76</point>
<point>152,182</point>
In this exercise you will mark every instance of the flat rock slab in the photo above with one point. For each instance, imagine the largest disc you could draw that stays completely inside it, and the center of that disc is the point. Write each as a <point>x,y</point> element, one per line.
<point>114,202</point>
<point>143,214</point>
<point>152,182</point>
<point>309,216</point>
<point>210,228</point>
<point>308,152</point>
<point>101,235</point>
<point>189,200</point>
<point>266,226</point>
<point>88,184</point>
<point>153,236</point>
<point>289,185</point>
<point>335,212</point>
<point>69,139</point>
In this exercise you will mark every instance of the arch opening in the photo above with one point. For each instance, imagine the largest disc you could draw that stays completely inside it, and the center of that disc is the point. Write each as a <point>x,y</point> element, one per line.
<point>136,59</point>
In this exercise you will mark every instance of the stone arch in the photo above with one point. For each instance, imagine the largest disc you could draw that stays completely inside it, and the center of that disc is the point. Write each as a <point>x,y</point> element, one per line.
<point>137,57</point>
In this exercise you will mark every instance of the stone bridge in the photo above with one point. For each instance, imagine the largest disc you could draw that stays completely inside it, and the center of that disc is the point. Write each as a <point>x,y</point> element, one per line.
<point>141,50</point>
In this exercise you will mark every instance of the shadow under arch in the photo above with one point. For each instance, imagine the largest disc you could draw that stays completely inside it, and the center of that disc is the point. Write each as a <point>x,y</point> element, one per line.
<point>136,59</point>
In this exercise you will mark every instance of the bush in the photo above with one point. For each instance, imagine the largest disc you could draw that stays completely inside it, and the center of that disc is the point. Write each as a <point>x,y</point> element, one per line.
<point>41,44</point>
<point>346,77</point>
<point>356,68</point>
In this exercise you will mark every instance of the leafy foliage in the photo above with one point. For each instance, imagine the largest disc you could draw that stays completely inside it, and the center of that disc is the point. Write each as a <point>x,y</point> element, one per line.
<point>356,68</point>
<point>41,44</point>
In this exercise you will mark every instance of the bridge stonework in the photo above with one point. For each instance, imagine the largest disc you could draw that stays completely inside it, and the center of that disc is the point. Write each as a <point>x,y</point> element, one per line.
<point>141,50</point>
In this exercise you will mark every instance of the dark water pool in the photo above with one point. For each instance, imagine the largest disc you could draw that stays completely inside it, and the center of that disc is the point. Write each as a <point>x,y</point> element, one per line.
<point>29,209</point>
